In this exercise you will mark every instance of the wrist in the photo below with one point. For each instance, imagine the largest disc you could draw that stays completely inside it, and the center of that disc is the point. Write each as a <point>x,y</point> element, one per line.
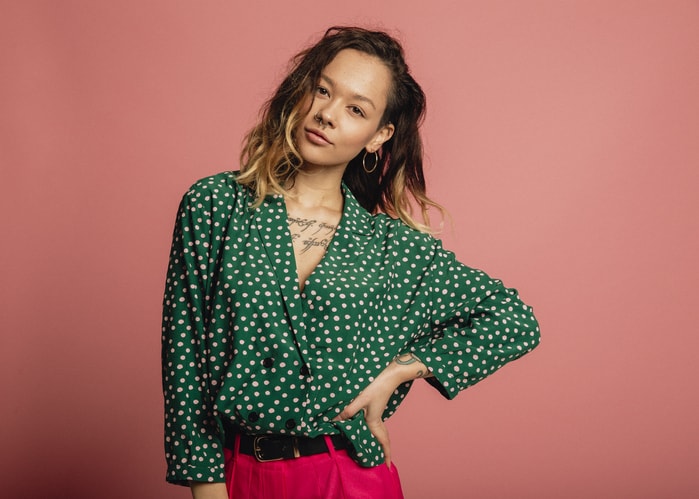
<point>407,367</point>
<point>208,490</point>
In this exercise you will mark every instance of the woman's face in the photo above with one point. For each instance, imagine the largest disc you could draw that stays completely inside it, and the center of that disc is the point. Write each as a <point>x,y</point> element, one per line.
<point>350,98</point>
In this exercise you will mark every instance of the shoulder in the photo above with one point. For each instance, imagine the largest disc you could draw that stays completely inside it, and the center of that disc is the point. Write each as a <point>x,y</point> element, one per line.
<point>216,198</point>
<point>397,239</point>
<point>219,186</point>
<point>401,237</point>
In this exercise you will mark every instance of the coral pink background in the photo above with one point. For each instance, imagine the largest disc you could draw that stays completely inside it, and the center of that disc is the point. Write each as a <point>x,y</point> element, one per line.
<point>562,136</point>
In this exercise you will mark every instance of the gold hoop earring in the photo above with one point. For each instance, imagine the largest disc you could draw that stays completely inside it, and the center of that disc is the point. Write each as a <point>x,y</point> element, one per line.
<point>376,162</point>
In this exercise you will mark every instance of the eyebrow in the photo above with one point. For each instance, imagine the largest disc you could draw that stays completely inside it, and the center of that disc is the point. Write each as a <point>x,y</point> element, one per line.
<point>355,96</point>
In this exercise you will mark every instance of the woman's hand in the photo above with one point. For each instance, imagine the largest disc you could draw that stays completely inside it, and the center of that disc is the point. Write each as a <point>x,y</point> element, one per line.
<point>374,398</point>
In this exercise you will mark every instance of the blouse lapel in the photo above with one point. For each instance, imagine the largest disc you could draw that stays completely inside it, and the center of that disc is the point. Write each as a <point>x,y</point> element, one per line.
<point>344,256</point>
<point>354,232</point>
<point>273,228</point>
<point>347,247</point>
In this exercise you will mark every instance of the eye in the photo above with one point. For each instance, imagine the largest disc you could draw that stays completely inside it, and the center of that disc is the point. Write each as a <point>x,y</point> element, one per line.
<point>357,110</point>
<point>322,91</point>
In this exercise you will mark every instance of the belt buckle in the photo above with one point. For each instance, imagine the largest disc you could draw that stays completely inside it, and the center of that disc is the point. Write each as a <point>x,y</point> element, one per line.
<point>257,450</point>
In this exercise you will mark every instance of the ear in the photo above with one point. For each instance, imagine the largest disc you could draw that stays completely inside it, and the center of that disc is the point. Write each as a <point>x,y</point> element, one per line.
<point>382,135</point>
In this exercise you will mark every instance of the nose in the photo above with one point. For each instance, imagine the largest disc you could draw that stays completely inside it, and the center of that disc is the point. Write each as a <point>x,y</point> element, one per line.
<point>325,116</point>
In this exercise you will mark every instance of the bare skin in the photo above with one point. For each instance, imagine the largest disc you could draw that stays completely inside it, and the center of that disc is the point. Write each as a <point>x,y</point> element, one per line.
<point>201,490</point>
<point>314,208</point>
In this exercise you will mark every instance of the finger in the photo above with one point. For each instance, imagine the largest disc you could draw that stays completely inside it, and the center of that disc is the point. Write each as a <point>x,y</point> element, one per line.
<point>387,452</point>
<point>380,432</point>
<point>347,413</point>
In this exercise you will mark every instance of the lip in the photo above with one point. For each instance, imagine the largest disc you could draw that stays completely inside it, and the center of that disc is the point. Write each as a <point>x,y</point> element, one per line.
<point>317,137</point>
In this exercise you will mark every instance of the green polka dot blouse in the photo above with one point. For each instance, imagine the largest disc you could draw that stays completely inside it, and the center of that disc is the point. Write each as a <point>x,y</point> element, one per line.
<point>242,343</point>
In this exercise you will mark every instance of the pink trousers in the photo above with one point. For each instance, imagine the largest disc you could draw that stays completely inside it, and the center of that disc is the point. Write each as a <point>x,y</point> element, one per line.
<point>332,475</point>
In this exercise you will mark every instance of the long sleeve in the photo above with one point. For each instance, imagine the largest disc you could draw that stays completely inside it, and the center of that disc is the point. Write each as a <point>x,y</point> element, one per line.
<point>477,325</point>
<point>192,442</point>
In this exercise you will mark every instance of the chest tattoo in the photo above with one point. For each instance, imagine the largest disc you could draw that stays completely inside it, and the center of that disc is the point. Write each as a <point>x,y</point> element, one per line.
<point>310,233</point>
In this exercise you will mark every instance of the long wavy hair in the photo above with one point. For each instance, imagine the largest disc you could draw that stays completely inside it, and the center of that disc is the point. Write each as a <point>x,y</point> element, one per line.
<point>270,159</point>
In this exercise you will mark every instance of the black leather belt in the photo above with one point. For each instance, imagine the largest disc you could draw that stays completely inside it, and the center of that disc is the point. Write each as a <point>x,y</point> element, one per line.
<point>277,447</point>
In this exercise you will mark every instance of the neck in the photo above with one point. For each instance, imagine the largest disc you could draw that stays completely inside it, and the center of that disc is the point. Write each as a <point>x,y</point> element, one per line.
<point>318,187</point>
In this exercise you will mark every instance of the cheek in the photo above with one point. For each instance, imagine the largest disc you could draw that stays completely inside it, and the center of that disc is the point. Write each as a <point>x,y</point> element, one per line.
<point>362,135</point>
<point>306,110</point>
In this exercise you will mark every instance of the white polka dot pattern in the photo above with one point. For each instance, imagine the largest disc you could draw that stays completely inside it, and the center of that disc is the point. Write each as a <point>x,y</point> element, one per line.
<point>240,341</point>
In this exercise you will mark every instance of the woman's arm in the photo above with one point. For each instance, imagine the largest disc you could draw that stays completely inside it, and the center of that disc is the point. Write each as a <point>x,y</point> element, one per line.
<point>477,325</point>
<point>193,445</point>
<point>374,398</point>
<point>202,490</point>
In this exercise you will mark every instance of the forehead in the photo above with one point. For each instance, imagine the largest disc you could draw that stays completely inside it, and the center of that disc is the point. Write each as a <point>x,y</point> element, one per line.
<point>359,73</point>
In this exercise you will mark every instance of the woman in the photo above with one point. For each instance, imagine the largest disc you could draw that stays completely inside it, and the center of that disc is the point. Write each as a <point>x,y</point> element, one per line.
<point>303,298</point>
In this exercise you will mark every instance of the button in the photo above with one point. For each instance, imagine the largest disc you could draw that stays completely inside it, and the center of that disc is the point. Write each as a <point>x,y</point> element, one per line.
<point>305,371</point>
<point>253,416</point>
<point>290,424</point>
<point>268,362</point>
